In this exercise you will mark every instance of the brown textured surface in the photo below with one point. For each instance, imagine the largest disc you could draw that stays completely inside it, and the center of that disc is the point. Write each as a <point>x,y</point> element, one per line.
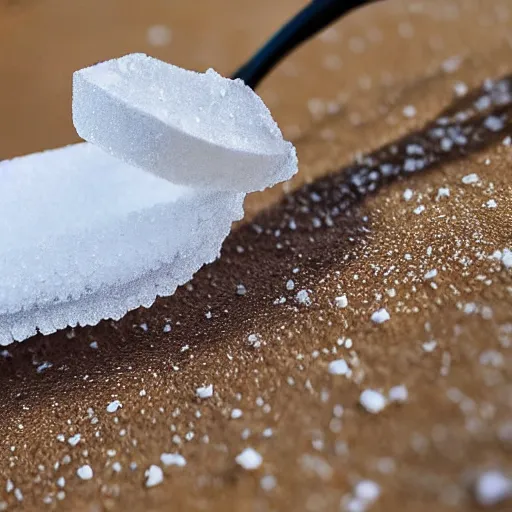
<point>347,241</point>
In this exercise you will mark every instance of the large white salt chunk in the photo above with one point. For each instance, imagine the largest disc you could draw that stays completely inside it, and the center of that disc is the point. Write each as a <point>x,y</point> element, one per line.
<point>194,129</point>
<point>84,236</point>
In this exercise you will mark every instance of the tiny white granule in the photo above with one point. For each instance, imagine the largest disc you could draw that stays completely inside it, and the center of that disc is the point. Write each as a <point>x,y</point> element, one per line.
<point>268,482</point>
<point>18,494</point>
<point>507,141</point>
<point>205,391</point>
<point>380,316</point>
<point>419,209</point>
<point>116,466</point>
<point>302,297</point>
<point>451,64</point>
<point>74,440</point>
<point>460,88</point>
<point>407,195</point>
<point>367,491</point>
<point>398,394</point>
<point>114,406</point>
<point>254,340</point>
<point>442,192</point>
<point>338,367</point>
<point>61,481</point>
<point>241,289</point>
<point>173,459</point>
<point>506,258</point>
<point>93,345</point>
<point>470,179</point>
<point>167,328</point>
<point>249,459</point>
<point>494,124</point>
<point>341,301</point>
<point>154,475</point>
<point>290,285</point>
<point>491,203</point>
<point>409,111</point>
<point>159,35</point>
<point>372,401</point>
<point>430,274</point>
<point>429,346</point>
<point>9,486</point>
<point>236,413</point>
<point>492,487</point>
<point>85,472</point>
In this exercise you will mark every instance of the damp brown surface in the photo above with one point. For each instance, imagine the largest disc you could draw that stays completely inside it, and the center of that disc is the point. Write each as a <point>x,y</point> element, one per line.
<point>402,117</point>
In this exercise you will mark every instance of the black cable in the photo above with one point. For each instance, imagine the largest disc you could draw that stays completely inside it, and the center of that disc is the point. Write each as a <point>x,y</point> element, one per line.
<point>313,18</point>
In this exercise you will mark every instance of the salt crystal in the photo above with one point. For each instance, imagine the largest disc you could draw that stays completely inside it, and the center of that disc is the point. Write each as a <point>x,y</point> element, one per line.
<point>173,459</point>
<point>470,179</point>
<point>494,124</point>
<point>73,441</point>
<point>492,488</point>
<point>419,209</point>
<point>367,491</point>
<point>409,111</point>
<point>249,459</point>
<point>407,195</point>
<point>491,203</point>
<point>398,394</point>
<point>154,475</point>
<point>236,413</point>
<point>302,297</point>
<point>104,247</point>
<point>430,274</point>
<point>195,129</point>
<point>85,472</point>
<point>205,392</point>
<point>373,401</point>
<point>338,367</point>
<point>341,301</point>
<point>380,316</point>
<point>442,192</point>
<point>114,406</point>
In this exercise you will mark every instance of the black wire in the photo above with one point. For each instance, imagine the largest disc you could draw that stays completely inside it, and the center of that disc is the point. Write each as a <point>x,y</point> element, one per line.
<point>313,18</point>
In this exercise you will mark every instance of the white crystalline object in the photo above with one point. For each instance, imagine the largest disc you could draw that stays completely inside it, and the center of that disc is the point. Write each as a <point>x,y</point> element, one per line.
<point>492,488</point>
<point>249,459</point>
<point>85,472</point>
<point>380,316</point>
<point>205,392</point>
<point>154,475</point>
<point>85,236</point>
<point>338,367</point>
<point>372,401</point>
<point>195,129</point>
<point>114,406</point>
<point>173,459</point>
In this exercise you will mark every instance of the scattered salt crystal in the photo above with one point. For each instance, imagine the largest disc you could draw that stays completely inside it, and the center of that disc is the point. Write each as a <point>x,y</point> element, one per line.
<point>85,472</point>
<point>409,111</point>
<point>429,346</point>
<point>407,195</point>
<point>460,88</point>
<point>154,475</point>
<point>254,340</point>
<point>494,124</point>
<point>268,483</point>
<point>236,413</point>
<point>181,125</point>
<point>9,486</point>
<point>61,481</point>
<point>451,64</point>
<point>74,440</point>
<point>114,406</point>
<point>173,459</point>
<point>380,316</point>
<point>419,209</point>
<point>430,274</point>
<point>492,488</point>
<point>470,179</point>
<point>491,203</point>
<point>507,141</point>
<point>249,459</point>
<point>341,301</point>
<point>93,345</point>
<point>205,392</point>
<point>338,367</point>
<point>159,35</point>
<point>241,289</point>
<point>373,401</point>
<point>442,192</point>
<point>398,394</point>
<point>302,297</point>
<point>116,466</point>
<point>367,491</point>
<point>506,258</point>
<point>290,285</point>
